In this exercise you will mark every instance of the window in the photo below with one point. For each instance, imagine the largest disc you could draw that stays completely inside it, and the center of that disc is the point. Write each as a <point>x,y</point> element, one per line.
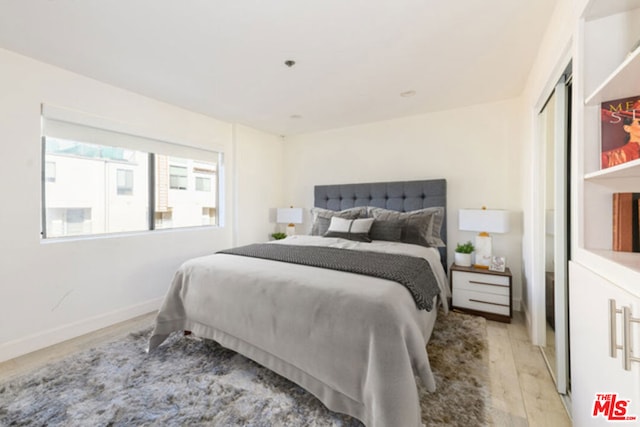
<point>178,177</point>
<point>50,172</point>
<point>203,183</point>
<point>124,182</point>
<point>68,221</point>
<point>163,220</point>
<point>76,219</point>
<point>86,174</point>
<point>87,169</point>
<point>184,205</point>
<point>208,216</point>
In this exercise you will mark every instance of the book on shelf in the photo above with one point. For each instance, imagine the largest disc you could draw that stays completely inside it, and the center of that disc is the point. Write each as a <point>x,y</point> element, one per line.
<point>619,131</point>
<point>626,222</point>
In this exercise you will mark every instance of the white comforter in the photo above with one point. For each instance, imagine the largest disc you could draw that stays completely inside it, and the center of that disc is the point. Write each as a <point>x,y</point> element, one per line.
<point>356,342</point>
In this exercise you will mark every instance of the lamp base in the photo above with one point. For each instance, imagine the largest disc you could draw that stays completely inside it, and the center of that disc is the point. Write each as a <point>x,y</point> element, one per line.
<point>483,251</point>
<point>291,230</point>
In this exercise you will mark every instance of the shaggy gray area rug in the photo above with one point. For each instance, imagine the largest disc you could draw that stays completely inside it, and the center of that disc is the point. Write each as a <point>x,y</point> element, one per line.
<point>191,382</point>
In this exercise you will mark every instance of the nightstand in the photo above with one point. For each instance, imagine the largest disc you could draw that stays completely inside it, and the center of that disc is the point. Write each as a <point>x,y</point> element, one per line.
<point>483,292</point>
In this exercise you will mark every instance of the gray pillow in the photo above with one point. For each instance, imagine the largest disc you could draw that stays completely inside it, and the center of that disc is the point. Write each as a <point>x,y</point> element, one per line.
<point>322,218</point>
<point>436,227</point>
<point>420,227</point>
<point>390,230</point>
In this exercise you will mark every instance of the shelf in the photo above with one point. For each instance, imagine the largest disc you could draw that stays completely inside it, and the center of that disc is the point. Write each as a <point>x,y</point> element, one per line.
<point>624,171</point>
<point>601,8</point>
<point>622,83</point>
<point>620,268</point>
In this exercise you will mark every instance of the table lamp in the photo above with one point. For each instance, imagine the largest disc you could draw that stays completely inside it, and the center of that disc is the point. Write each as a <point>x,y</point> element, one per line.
<point>290,216</point>
<point>484,221</point>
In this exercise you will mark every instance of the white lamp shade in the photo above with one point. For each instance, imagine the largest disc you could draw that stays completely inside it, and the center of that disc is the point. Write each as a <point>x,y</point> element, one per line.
<point>490,221</point>
<point>289,216</point>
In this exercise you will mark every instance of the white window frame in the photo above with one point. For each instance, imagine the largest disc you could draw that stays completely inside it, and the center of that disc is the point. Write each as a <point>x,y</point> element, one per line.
<point>68,124</point>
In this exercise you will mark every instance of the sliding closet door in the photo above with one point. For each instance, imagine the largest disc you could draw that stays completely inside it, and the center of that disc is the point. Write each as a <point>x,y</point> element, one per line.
<point>554,120</point>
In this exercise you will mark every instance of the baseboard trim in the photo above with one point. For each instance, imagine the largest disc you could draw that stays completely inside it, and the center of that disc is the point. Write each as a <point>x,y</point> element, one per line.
<point>20,347</point>
<point>516,304</point>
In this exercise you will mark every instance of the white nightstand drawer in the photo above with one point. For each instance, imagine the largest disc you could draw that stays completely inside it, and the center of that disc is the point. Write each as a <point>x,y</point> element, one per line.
<point>481,301</point>
<point>483,292</point>
<point>481,283</point>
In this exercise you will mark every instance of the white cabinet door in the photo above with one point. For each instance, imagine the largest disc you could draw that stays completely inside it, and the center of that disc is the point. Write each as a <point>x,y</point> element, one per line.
<point>602,390</point>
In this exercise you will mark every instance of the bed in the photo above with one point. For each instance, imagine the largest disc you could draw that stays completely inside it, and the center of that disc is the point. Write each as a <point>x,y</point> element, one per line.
<point>355,341</point>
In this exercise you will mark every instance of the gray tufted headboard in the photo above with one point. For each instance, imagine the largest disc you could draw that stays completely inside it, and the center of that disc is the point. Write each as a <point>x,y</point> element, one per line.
<point>400,196</point>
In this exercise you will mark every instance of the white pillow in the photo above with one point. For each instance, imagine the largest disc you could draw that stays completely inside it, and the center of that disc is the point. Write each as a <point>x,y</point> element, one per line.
<point>352,229</point>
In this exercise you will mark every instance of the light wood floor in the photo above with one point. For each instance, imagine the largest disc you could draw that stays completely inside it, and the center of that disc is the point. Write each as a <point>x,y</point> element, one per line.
<point>522,392</point>
<point>31,361</point>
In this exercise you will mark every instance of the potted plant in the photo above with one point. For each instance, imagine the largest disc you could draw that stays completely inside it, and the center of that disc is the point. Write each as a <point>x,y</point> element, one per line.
<point>278,236</point>
<point>463,254</point>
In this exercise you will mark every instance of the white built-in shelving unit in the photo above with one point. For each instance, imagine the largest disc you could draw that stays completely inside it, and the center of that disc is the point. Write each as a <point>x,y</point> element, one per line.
<point>608,70</point>
<point>604,285</point>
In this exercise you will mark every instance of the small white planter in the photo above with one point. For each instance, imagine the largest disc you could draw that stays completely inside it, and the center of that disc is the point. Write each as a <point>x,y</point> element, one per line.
<point>463,260</point>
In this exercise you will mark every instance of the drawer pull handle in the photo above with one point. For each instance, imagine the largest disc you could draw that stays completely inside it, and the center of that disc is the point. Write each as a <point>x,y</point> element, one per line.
<point>626,328</point>
<point>626,346</point>
<point>488,284</point>
<point>487,302</point>
<point>613,328</point>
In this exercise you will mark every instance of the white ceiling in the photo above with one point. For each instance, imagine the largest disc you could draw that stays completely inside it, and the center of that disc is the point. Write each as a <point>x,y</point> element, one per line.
<point>226,58</point>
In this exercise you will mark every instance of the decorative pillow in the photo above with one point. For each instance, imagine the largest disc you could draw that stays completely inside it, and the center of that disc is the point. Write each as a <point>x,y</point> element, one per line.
<point>420,227</point>
<point>322,217</point>
<point>436,229</point>
<point>390,230</point>
<point>352,229</point>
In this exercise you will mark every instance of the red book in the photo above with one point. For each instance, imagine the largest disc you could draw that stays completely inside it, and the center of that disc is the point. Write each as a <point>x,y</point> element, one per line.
<point>619,142</point>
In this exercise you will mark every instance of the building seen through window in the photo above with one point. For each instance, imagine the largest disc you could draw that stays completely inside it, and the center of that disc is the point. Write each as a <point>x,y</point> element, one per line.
<point>180,198</point>
<point>95,189</point>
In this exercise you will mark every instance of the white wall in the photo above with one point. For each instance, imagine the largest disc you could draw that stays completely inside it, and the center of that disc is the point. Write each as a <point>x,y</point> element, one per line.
<point>258,195</point>
<point>478,150</point>
<point>53,291</point>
